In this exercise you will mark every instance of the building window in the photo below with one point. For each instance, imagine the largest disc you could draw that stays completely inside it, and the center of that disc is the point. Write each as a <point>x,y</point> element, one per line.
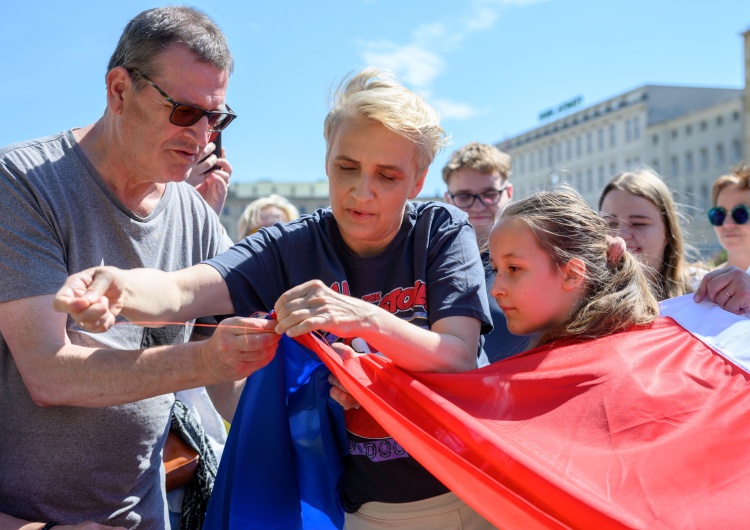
<point>688,130</point>
<point>719,154</point>
<point>674,167</point>
<point>601,177</point>
<point>704,158</point>
<point>628,131</point>
<point>579,146</point>
<point>704,125</point>
<point>719,121</point>
<point>612,169</point>
<point>559,151</point>
<point>612,136</point>
<point>637,127</point>
<point>589,143</point>
<point>589,180</point>
<point>568,149</point>
<point>655,139</point>
<point>674,134</point>
<point>541,158</point>
<point>600,139</point>
<point>689,163</point>
<point>736,150</point>
<point>531,162</point>
<point>736,115</point>
<point>521,164</point>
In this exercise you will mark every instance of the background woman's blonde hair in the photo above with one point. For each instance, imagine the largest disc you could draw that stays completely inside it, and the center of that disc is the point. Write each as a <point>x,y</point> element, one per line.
<point>673,279</point>
<point>616,295</point>
<point>250,220</point>
<point>376,95</point>
<point>739,176</point>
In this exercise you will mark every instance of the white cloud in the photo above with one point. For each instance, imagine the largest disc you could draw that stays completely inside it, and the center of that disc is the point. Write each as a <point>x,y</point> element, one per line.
<point>415,65</point>
<point>420,61</point>
<point>454,110</point>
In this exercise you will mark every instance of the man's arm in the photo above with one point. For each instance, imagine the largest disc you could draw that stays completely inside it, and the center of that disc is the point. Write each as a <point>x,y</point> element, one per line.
<point>57,372</point>
<point>96,296</point>
<point>450,346</point>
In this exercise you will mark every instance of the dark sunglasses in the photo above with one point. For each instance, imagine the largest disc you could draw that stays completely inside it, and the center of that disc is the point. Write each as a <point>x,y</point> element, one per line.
<point>740,214</point>
<point>185,115</point>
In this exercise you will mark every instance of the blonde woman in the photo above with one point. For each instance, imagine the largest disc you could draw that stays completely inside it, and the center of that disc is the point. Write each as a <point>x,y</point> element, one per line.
<point>266,211</point>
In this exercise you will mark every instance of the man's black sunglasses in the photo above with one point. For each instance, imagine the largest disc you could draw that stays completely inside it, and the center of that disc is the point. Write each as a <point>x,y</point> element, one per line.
<point>717,215</point>
<point>185,115</point>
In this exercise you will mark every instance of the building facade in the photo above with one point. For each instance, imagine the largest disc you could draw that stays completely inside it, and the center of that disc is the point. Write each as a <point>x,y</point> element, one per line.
<point>689,135</point>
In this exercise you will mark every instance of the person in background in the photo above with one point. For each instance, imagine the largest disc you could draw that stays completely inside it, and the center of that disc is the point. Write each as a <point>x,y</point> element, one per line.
<point>639,208</point>
<point>730,216</point>
<point>84,417</point>
<point>388,274</point>
<point>477,177</point>
<point>266,211</point>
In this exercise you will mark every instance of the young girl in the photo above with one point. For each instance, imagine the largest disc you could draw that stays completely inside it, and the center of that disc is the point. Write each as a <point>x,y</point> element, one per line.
<point>638,206</point>
<point>560,276</point>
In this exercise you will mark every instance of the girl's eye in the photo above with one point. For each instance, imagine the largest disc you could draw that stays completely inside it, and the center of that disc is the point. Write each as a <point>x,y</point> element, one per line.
<point>513,268</point>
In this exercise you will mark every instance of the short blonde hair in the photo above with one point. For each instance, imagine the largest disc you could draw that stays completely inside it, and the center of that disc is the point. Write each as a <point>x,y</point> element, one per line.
<point>250,221</point>
<point>617,295</point>
<point>484,158</point>
<point>674,278</point>
<point>376,95</point>
<point>740,177</point>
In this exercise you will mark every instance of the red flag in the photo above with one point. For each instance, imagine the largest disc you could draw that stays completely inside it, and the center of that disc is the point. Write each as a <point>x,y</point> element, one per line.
<point>647,428</point>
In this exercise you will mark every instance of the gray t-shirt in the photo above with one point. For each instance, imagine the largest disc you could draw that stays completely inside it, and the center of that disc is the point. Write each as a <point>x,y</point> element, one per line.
<point>59,217</point>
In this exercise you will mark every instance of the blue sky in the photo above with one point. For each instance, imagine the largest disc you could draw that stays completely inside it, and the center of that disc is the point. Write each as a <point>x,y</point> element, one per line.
<point>489,66</point>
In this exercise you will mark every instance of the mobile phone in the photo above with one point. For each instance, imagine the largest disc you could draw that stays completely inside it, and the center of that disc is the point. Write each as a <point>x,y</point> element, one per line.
<point>217,151</point>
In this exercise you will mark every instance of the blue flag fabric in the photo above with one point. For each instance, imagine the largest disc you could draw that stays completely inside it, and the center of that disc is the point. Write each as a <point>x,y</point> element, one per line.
<point>282,466</point>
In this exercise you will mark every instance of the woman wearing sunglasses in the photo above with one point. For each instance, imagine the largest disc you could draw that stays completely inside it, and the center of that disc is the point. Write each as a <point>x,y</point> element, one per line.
<point>730,216</point>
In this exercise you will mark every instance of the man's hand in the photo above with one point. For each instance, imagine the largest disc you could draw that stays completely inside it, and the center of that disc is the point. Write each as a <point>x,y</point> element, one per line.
<point>93,298</point>
<point>239,347</point>
<point>727,287</point>
<point>210,182</point>
<point>312,306</point>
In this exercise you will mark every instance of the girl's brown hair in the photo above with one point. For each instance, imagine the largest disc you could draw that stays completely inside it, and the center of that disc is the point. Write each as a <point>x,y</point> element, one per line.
<point>616,295</point>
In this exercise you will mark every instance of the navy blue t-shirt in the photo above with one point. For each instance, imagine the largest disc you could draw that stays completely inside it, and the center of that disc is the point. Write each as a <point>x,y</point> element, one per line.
<point>431,270</point>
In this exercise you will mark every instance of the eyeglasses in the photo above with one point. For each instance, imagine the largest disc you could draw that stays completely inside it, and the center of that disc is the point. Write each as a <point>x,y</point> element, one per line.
<point>488,198</point>
<point>185,115</point>
<point>740,214</point>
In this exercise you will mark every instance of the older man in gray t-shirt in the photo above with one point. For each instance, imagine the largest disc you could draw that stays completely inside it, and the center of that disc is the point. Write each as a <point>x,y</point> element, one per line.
<point>82,423</point>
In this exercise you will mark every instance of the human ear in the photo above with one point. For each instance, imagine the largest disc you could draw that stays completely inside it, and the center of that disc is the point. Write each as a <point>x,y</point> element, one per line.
<point>418,185</point>
<point>117,81</point>
<point>509,190</point>
<point>574,274</point>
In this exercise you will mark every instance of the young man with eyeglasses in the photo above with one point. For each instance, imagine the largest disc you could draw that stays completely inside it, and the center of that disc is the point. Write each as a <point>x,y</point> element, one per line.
<point>477,179</point>
<point>83,421</point>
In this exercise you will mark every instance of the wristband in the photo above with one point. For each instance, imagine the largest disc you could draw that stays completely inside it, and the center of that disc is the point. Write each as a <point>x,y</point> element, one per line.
<point>50,525</point>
